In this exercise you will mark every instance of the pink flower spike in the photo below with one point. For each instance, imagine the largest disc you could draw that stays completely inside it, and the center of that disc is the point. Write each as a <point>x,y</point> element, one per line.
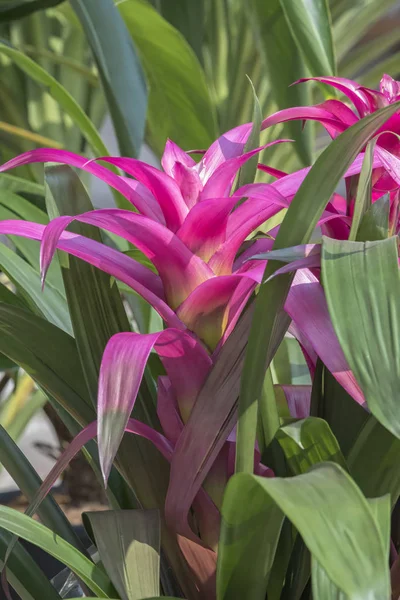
<point>390,88</point>
<point>348,87</point>
<point>207,310</point>
<point>163,188</point>
<point>118,265</point>
<point>230,145</point>
<point>180,270</point>
<point>204,229</point>
<point>220,182</point>
<point>305,113</point>
<point>172,155</point>
<point>119,183</point>
<point>121,371</point>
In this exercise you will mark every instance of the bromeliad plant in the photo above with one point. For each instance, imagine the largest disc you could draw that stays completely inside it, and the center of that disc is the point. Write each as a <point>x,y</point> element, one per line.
<point>195,224</point>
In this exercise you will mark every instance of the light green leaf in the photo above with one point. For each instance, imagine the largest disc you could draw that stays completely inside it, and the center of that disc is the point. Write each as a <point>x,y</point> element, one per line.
<point>248,172</point>
<point>48,302</point>
<point>119,68</point>
<point>128,542</point>
<point>23,574</point>
<point>310,24</point>
<point>60,95</point>
<point>269,325</point>
<point>364,191</point>
<point>39,535</point>
<point>375,222</point>
<point>366,317</point>
<point>179,103</point>
<point>17,184</point>
<point>330,513</point>
<point>308,442</point>
<point>322,586</point>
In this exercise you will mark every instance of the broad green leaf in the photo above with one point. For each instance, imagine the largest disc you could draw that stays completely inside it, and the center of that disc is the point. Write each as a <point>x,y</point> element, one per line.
<point>248,172</point>
<point>310,24</point>
<point>179,103</point>
<point>364,191</point>
<point>23,574</point>
<point>269,325</point>
<point>322,586</point>
<point>308,442</point>
<point>128,542</point>
<point>366,318</point>
<point>28,481</point>
<point>375,222</point>
<point>119,68</point>
<point>60,95</point>
<point>373,461</point>
<point>39,535</point>
<point>48,302</point>
<point>285,66</point>
<point>330,513</point>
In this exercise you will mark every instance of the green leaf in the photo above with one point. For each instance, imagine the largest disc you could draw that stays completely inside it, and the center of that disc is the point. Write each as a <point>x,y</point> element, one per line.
<point>179,103</point>
<point>364,191</point>
<point>345,417</point>
<point>366,317</point>
<point>188,18</point>
<point>28,481</point>
<point>310,24</point>
<point>308,442</point>
<point>119,68</point>
<point>24,575</point>
<point>375,222</point>
<point>49,356</point>
<point>48,302</point>
<point>248,172</point>
<point>330,513</point>
<point>322,586</point>
<point>18,9</point>
<point>39,535</point>
<point>60,95</point>
<point>17,184</point>
<point>128,542</point>
<point>285,66</point>
<point>269,325</point>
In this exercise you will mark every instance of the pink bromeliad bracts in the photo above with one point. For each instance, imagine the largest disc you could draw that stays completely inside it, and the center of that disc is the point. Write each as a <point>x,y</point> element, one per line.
<point>192,226</point>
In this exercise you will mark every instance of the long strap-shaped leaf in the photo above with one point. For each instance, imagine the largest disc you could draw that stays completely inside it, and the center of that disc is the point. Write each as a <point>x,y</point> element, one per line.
<point>23,574</point>
<point>25,476</point>
<point>36,533</point>
<point>60,94</point>
<point>330,513</point>
<point>119,68</point>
